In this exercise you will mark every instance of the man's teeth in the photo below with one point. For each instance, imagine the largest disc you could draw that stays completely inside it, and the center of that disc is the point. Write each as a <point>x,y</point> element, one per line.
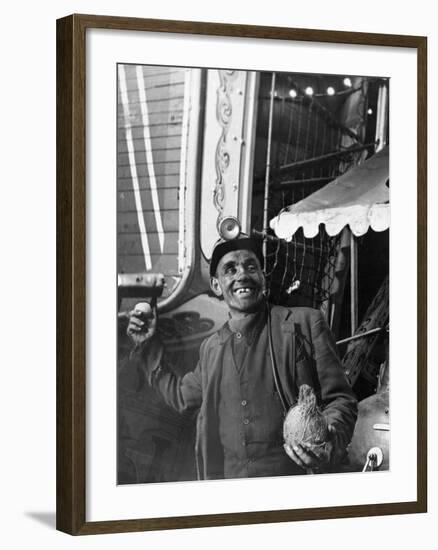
<point>243,290</point>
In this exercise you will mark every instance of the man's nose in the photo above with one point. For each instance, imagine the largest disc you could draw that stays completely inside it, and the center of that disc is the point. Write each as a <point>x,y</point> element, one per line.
<point>242,272</point>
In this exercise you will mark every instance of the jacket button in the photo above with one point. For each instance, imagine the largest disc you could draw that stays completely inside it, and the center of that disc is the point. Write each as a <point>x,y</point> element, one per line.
<point>244,402</point>
<point>246,421</point>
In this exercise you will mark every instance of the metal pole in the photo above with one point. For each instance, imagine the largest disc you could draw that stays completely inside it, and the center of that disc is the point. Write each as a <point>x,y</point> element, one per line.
<point>308,162</point>
<point>361,335</point>
<point>353,283</point>
<point>381,122</point>
<point>382,106</point>
<point>268,169</point>
<point>381,130</point>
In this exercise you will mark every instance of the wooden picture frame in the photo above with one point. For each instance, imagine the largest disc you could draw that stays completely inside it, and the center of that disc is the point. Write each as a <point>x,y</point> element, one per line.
<point>71,272</point>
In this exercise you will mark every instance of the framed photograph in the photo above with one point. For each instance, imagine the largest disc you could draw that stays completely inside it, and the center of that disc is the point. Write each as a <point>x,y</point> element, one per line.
<point>241,256</point>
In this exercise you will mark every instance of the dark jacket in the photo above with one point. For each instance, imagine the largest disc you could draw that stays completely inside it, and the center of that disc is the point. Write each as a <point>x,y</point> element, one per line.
<point>305,353</point>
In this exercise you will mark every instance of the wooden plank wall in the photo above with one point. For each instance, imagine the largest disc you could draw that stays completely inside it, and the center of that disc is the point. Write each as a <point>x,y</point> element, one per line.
<point>164,90</point>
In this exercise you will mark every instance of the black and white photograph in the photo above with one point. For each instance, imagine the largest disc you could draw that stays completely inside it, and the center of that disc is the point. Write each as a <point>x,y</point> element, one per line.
<point>218,274</point>
<point>253,219</point>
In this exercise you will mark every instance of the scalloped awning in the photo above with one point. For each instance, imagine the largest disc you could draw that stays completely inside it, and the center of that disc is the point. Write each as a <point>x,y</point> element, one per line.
<point>359,198</point>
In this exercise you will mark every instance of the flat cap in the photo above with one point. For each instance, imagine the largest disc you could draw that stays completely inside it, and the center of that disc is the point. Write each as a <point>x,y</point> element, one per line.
<point>243,242</point>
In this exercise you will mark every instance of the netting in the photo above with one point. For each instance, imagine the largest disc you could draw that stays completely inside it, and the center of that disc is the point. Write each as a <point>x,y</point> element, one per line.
<point>301,272</point>
<point>310,147</point>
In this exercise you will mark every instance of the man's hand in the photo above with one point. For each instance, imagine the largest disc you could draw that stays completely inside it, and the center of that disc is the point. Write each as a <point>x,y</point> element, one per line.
<point>312,458</point>
<point>142,323</point>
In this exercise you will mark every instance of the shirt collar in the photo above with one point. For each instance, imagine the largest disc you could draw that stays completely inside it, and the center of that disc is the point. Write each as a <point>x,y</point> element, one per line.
<point>249,327</point>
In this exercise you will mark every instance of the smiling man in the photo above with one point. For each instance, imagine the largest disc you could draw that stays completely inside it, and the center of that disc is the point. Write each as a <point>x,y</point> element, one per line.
<point>240,405</point>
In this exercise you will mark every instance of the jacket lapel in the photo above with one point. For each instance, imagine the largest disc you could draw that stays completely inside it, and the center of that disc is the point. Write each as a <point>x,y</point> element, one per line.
<point>283,339</point>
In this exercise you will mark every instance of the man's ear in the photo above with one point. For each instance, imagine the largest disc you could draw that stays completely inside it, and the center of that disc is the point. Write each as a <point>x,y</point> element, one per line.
<point>215,287</point>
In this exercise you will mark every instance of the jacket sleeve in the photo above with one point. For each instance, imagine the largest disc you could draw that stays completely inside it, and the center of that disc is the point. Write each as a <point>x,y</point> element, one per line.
<point>181,393</point>
<point>338,400</point>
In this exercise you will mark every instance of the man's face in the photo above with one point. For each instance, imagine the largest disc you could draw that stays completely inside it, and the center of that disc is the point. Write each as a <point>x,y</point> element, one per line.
<point>239,279</point>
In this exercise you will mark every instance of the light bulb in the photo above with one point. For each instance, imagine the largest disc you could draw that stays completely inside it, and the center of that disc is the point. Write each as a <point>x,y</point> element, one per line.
<point>330,90</point>
<point>309,90</point>
<point>293,93</point>
<point>347,82</point>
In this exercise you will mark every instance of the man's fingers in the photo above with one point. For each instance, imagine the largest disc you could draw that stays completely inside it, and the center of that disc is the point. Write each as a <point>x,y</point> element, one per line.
<point>142,322</point>
<point>320,455</point>
<point>132,329</point>
<point>332,431</point>
<point>306,456</point>
<point>311,451</point>
<point>291,454</point>
<point>136,322</point>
